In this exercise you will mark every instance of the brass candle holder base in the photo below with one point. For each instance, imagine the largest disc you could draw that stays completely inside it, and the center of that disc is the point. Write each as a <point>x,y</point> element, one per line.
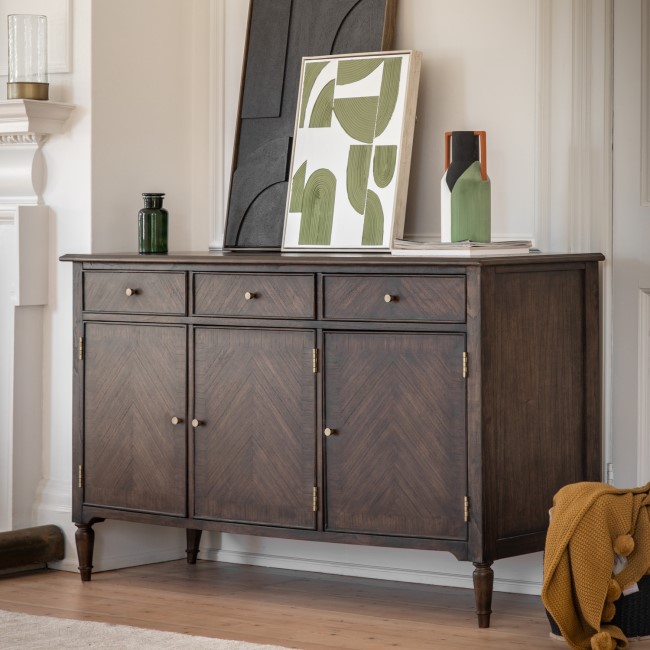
<point>27,90</point>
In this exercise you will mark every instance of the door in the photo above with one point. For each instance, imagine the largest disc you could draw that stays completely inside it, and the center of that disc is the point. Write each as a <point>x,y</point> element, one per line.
<point>134,385</point>
<point>254,446</point>
<point>631,244</point>
<point>396,456</point>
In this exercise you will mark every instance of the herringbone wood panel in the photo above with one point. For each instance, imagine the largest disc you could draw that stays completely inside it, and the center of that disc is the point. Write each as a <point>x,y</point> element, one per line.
<point>152,293</point>
<point>439,298</point>
<point>134,385</point>
<point>273,296</point>
<point>255,452</point>
<point>397,463</point>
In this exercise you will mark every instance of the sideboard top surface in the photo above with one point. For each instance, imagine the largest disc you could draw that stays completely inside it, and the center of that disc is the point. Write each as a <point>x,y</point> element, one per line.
<point>232,258</point>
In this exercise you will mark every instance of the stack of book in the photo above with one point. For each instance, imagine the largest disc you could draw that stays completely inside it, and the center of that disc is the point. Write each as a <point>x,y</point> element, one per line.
<point>461,248</point>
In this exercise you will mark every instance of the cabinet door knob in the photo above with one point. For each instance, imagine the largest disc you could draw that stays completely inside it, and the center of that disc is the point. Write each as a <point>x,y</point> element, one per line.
<point>196,423</point>
<point>249,295</point>
<point>389,298</point>
<point>329,432</point>
<point>176,420</point>
<point>131,292</point>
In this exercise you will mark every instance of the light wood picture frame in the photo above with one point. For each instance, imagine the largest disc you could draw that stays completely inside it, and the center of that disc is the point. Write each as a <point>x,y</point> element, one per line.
<point>351,154</point>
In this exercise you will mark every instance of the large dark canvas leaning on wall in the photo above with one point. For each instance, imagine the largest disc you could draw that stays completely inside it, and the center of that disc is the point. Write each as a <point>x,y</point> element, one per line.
<point>280,33</point>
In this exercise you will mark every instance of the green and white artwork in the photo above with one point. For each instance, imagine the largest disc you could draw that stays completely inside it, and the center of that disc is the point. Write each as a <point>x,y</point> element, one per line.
<point>351,152</point>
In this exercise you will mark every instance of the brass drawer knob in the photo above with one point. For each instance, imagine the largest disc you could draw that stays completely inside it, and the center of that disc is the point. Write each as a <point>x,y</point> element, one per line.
<point>131,292</point>
<point>329,432</point>
<point>389,298</point>
<point>249,295</point>
<point>196,423</point>
<point>176,420</point>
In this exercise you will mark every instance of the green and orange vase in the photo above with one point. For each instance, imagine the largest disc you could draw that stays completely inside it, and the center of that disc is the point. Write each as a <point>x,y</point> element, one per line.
<point>465,194</point>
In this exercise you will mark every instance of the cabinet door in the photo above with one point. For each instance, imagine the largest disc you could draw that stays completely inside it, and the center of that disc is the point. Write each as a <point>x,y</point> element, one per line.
<point>135,383</point>
<point>254,451</point>
<point>396,463</point>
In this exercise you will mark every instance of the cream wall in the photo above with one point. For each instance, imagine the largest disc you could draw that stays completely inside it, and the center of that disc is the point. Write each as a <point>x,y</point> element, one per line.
<point>148,105</point>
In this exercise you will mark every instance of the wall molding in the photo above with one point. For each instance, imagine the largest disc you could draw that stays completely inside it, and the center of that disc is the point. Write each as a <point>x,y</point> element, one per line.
<point>7,216</point>
<point>25,138</point>
<point>216,127</point>
<point>543,74</point>
<point>583,223</point>
<point>645,103</point>
<point>576,212</point>
<point>603,212</point>
<point>581,183</point>
<point>643,451</point>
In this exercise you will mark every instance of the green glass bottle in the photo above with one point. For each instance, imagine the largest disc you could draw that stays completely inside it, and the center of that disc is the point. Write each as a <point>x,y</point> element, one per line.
<point>152,225</point>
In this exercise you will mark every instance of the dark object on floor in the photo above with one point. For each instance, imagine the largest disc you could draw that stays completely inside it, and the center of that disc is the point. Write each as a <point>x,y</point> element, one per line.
<point>30,546</point>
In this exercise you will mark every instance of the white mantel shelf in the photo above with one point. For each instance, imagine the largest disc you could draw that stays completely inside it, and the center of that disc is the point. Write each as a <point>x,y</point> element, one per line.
<point>23,116</point>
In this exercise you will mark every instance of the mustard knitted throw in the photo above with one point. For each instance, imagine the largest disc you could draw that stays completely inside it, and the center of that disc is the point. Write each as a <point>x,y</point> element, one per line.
<point>586,520</point>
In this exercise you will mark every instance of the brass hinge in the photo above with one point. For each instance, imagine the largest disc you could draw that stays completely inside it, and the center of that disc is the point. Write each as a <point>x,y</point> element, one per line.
<point>465,365</point>
<point>314,360</point>
<point>81,348</point>
<point>315,500</point>
<point>466,508</point>
<point>81,476</point>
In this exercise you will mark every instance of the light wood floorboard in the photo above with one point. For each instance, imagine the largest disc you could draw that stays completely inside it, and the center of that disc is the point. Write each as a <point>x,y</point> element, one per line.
<point>287,608</point>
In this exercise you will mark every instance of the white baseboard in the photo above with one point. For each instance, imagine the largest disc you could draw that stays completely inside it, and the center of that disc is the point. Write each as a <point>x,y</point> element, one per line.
<point>120,544</point>
<point>358,570</point>
<point>117,544</point>
<point>109,562</point>
<point>105,560</point>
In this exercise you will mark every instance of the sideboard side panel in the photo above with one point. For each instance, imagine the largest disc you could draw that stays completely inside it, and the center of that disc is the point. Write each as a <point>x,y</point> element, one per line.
<point>538,338</point>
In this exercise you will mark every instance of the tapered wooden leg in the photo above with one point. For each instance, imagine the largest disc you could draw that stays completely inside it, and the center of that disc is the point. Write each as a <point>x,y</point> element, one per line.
<point>483,581</point>
<point>85,540</point>
<point>193,541</point>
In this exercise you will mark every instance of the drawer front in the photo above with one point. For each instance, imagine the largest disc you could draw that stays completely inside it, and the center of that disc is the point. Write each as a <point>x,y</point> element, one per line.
<point>251,295</point>
<point>395,298</point>
<point>135,292</point>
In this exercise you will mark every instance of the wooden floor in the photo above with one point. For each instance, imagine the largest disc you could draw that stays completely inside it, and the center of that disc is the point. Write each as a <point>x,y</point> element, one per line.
<point>285,608</point>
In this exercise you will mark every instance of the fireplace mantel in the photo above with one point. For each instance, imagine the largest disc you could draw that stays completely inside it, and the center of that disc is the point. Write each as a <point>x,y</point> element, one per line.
<point>33,117</point>
<point>25,125</point>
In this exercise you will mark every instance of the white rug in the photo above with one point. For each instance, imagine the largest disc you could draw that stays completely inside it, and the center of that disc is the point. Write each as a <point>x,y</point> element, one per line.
<point>25,632</point>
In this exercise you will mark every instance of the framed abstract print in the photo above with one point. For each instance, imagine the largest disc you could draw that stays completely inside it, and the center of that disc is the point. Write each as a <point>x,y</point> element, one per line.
<point>351,154</point>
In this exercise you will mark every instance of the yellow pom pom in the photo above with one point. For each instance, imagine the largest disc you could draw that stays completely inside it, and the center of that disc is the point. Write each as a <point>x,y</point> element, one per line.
<point>608,612</point>
<point>623,545</point>
<point>602,641</point>
<point>613,591</point>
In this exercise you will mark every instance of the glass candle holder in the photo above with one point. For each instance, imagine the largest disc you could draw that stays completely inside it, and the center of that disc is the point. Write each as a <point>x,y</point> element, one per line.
<point>27,38</point>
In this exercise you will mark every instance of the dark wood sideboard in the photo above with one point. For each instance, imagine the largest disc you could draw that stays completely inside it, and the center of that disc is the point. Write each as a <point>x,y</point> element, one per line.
<point>426,403</point>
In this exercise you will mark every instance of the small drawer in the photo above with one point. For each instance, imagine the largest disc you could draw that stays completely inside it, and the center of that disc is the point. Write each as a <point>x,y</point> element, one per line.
<point>135,292</point>
<point>251,295</point>
<point>438,298</point>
